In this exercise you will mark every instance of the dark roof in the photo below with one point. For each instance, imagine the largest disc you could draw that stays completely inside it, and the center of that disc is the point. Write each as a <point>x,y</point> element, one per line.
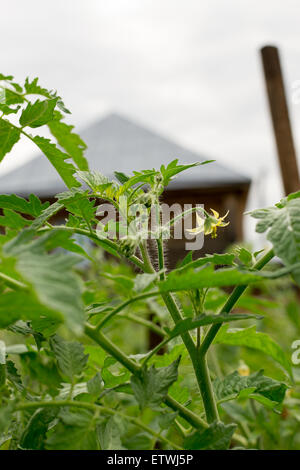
<point>116,143</point>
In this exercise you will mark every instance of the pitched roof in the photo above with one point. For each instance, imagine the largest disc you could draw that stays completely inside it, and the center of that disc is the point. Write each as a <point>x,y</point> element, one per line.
<point>116,143</point>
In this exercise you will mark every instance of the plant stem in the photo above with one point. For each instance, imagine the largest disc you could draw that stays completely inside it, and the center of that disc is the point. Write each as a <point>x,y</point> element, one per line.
<point>147,266</point>
<point>97,408</point>
<point>200,366</point>
<point>112,349</point>
<point>123,305</point>
<point>229,304</point>
<point>142,321</point>
<point>11,282</point>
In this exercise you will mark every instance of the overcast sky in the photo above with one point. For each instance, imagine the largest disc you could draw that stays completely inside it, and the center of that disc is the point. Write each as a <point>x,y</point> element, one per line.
<point>188,69</point>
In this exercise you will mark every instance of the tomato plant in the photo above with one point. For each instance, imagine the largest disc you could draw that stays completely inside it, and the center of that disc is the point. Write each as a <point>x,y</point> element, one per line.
<point>74,369</point>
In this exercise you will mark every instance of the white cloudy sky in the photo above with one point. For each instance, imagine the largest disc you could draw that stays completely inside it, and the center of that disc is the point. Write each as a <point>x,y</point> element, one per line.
<point>189,69</point>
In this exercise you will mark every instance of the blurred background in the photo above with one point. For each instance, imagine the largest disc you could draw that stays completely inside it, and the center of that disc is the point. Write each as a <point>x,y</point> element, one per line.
<point>190,71</point>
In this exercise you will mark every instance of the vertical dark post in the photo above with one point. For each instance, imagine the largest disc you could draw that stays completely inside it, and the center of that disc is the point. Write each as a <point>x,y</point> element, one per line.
<point>280,118</point>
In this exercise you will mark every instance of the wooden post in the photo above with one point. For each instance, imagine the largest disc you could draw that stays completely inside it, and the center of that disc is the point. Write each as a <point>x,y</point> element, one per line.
<point>280,118</point>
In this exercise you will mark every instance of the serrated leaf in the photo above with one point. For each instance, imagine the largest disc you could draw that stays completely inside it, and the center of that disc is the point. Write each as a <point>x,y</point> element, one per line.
<point>95,385</point>
<point>57,159</point>
<point>38,113</point>
<point>76,430</point>
<point>9,136</point>
<point>251,338</point>
<point>14,377</point>
<point>70,356</point>
<point>34,434</point>
<point>216,437</point>
<point>283,225</point>
<point>151,387</point>
<point>46,214</point>
<point>33,88</point>
<point>55,284</point>
<point>69,141</point>
<point>33,206</point>
<point>78,203</point>
<point>233,384</point>
<point>12,220</point>
<point>173,169</point>
<point>109,435</point>
<point>111,379</point>
<point>95,180</point>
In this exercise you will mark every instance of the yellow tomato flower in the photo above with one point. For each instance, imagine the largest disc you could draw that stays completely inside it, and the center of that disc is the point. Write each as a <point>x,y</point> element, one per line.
<point>209,224</point>
<point>244,370</point>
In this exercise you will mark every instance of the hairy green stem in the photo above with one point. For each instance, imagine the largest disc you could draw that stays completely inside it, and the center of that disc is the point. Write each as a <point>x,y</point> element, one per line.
<point>230,303</point>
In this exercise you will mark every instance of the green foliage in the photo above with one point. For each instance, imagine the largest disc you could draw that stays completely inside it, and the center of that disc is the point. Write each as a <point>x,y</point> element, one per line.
<point>216,437</point>
<point>255,384</point>
<point>151,387</point>
<point>9,136</point>
<point>282,223</point>
<point>76,369</point>
<point>253,339</point>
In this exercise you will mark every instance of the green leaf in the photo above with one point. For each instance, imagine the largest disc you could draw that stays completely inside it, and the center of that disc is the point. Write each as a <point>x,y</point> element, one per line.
<point>33,206</point>
<point>151,387</point>
<point>250,338</point>
<point>55,284</point>
<point>22,306</point>
<point>38,113</point>
<point>13,97</point>
<point>202,320</point>
<point>57,159</point>
<point>188,278</point>
<point>46,214</point>
<point>95,180</point>
<point>34,434</point>
<point>113,379</point>
<point>233,384</point>
<point>6,110</point>
<point>78,203</point>
<point>173,169</point>
<point>32,88</point>
<point>14,377</point>
<point>109,434</point>
<point>6,415</point>
<point>216,259</point>
<point>12,220</point>
<point>142,281</point>
<point>283,225</point>
<point>70,356</point>
<point>76,430</point>
<point>216,437</point>
<point>9,136</point>
<point>69,141</point>
<point>121,177</point>
<point>95,385</point>
<point>245,256</point>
